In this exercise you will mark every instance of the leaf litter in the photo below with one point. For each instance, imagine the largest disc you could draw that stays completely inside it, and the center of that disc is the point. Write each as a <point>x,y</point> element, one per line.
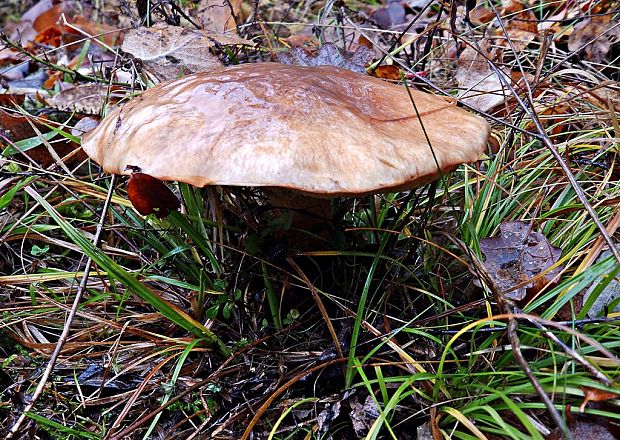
<point>517,255</point>
<point>513,260</point>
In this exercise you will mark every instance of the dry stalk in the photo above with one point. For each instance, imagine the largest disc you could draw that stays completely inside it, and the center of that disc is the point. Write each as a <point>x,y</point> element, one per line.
<point>67,327</point>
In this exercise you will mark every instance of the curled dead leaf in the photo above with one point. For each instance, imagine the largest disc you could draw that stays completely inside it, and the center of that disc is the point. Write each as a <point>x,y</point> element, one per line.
<point>591,394</point>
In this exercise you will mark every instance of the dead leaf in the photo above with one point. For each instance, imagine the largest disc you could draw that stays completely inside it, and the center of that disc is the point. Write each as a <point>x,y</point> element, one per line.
<point>328,55</point>
<point>300,40</point>
<point>480,85</point>
<point>583,429</point>
<point>520,23</point>
<point>50,36</point>
<point>83,126</point>
<point>363,41</point>
<point>85,98</point>
<point>10,100</point>
<point>169,52</point>
<point>326,417</point>
<point>607,96</point>
<point>595,35</point>
<point>363,416</point>
<point>227,39</point>
<point>150,195</point>
<point>101,31</point>
<point>517,255</point>
<point>388,72</point>
<point>424,432</point>
<point>389,16</point>
<point>50,22</point>
<point>24,30</point>
<point>16,128</point>
<point>51,17</point>
<point>481,14</point>
<point>596,395</point>
<point>219,15</point>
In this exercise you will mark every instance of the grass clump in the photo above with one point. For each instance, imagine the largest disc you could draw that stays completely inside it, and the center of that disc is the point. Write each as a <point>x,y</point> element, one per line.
<point>204,324</point>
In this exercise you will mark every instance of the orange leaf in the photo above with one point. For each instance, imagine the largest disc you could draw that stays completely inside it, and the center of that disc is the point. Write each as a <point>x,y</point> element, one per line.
<point>50,36</point>
<point>50,17</point>
<point>365,42</point>
<point>596,395</point>
<point>150,196</point>
<point>387,72</point>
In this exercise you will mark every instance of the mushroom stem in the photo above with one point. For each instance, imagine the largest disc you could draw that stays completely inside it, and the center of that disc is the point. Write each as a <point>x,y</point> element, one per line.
<point>310,214</point>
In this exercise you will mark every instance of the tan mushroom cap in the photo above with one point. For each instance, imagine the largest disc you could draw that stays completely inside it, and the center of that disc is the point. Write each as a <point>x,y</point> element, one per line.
<point>320,130</point>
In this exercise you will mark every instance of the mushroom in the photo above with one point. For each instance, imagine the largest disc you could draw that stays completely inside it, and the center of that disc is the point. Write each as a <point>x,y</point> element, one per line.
<point>319,132</point>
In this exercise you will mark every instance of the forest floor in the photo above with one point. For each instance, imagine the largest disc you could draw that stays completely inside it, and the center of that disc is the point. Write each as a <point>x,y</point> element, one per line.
<point>484,305</point>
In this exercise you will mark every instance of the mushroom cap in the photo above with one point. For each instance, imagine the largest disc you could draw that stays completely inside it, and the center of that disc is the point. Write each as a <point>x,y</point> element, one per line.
<point>319,130</point>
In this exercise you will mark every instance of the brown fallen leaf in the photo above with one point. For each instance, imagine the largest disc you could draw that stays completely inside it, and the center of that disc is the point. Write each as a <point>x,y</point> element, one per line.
<point>480,85</point>
<point>219,15</point>
<point>596,395</point>
<point>597,34</point>
<point>84,98</point>
<point>388,72</point>
<point>520,23</point>
<point>328,55</point>
<point>16,127</point>
<point>363,41</point>
<point>151,196</point>
<point>169,52</point>
<point>481,14</point>
<point>50,36</point>
<point>24,28</point>
<point>43,27</point>
<point>517,255</point>
<point>102,32</point>
<point>606,95</point>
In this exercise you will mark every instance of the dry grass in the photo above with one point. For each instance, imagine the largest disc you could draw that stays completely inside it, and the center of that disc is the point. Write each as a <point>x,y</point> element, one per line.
<point>175,335</point>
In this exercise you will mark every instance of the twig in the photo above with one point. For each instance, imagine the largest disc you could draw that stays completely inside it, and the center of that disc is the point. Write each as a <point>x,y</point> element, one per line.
<point>74,73</point>
<point>576,323</point>
<point>65,332</point>
<point>511,332</point>
<point>506,306</point>
<point>516,352</point>
<point>569,351</point>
